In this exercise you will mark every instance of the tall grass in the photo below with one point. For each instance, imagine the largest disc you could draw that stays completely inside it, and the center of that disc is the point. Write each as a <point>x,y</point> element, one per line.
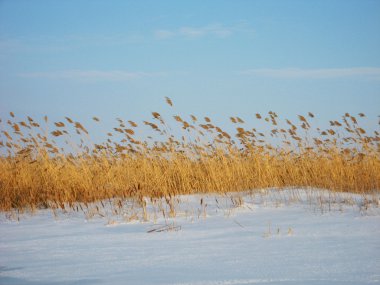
<point>37,170</point>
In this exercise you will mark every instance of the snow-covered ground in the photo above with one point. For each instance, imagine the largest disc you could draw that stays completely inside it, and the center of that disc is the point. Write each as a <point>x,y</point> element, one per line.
<point>257,242</point>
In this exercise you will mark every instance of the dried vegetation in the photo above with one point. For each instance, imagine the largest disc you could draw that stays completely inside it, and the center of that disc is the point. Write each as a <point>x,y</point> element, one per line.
<point>37,170</point>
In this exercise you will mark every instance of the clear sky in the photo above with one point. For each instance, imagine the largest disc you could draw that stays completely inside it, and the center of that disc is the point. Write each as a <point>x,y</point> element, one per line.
<point>216,58</point>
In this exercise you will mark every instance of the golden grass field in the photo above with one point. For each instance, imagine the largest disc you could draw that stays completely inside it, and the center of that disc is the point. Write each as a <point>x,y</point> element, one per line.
<point>36,170</point>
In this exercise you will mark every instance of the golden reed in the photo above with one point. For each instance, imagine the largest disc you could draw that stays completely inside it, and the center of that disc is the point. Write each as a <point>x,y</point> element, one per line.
<point>37,170</point>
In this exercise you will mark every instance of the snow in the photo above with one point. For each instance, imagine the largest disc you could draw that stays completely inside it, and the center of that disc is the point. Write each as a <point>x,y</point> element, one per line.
<point>271,240</point>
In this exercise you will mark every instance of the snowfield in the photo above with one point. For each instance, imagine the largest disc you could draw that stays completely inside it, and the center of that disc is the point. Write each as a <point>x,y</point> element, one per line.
<point>262,240</point>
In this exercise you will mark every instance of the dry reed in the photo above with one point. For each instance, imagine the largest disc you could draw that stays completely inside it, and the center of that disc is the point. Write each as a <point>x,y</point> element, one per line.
<point>37,170</point>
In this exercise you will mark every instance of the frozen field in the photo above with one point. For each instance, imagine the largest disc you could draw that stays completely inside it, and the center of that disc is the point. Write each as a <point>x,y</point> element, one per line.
<point>254,243</point>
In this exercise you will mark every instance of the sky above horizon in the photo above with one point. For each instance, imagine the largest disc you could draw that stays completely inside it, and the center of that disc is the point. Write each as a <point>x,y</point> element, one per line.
<point>217,58</point>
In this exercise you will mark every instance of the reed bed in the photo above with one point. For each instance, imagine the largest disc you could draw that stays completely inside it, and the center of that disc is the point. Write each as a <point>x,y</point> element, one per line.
<point>41,168</point>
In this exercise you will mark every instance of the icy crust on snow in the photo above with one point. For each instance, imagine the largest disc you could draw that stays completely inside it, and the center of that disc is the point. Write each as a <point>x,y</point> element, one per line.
<point>274,237</point>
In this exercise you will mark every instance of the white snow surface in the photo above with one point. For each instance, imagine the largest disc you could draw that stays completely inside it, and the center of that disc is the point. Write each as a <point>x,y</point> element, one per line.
<point>262,241</point>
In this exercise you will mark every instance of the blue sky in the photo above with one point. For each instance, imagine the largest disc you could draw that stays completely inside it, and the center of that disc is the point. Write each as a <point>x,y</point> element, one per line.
<point>216,58</point>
